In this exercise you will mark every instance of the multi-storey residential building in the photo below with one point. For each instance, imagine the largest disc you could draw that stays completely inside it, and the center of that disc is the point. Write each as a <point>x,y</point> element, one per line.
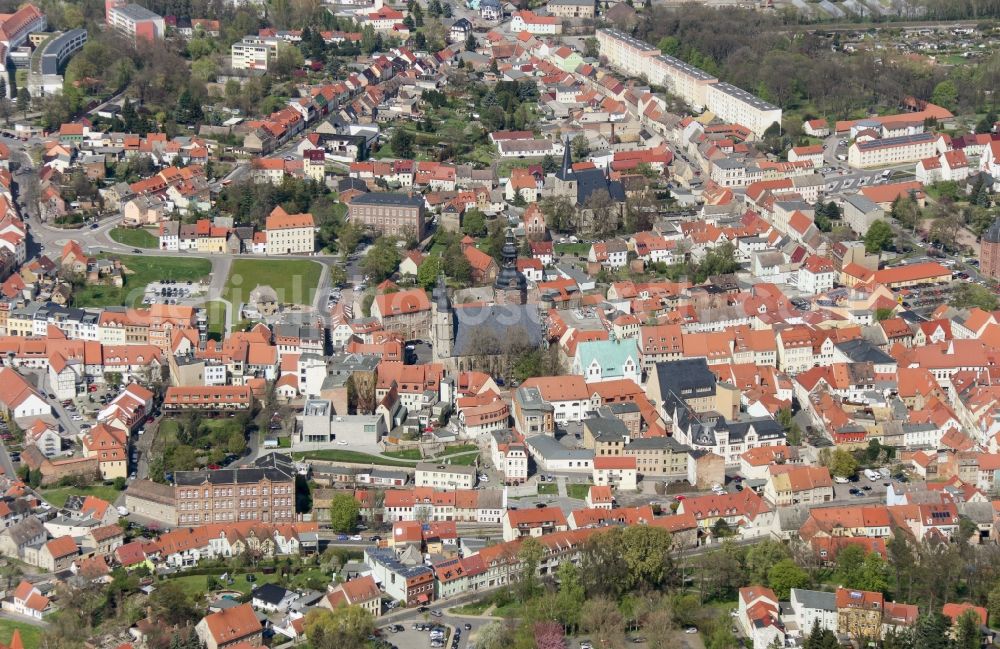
<point>658,456</point>
<point>290,234</point>
<point>859,613</point>
<point>215,397</point>
<point>49,60</point>
<point>15,27</point>
<point>529,21</point>
<point>253,53</point>
<point>640,58</point>
<point>392,214</point>
<point>405,312</point>
<point>445,476</point>
<point>535,522</point>
<point>571,8</point>
<point>264,491</point>
<point>411,585</point>
<point>738,106</point>
<point>135,21</point>
<point>892,150</point>
<point>509,456</point>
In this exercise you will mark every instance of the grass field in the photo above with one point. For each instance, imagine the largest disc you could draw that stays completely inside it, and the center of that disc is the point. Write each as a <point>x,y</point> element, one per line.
<point>459,448</point>
<point>216,311</point>
<point>142,271</point>
<point>294,280</point>
<point>57,496</point>
<point>578,491</point>
<point>134,237</point>
<point>31,636</point>
<point>196,584</point>
<point>334,455</point>
<point>548,489</point>
<point>465,459</point>
<point>572,248</point>
<point>405,454</point>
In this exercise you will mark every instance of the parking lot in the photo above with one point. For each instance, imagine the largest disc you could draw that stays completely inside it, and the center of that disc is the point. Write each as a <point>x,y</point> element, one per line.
<point>423,630</point>
<point>172,292</point>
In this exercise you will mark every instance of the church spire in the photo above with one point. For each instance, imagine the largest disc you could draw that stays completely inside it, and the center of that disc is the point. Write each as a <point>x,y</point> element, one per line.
<point>567,161</point>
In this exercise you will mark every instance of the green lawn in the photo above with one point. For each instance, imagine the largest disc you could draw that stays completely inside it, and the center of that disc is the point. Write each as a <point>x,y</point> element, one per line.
<point>294,280</point>
<point>581,249</point>
<point>466,459</point>
<point>459,448</point>
<point>578,491</point>
<point>216,311</point>
<point>405,454</point>
<point>57,496</point>
<point>547,489</point>
<point>136,237</point>
<point>504,165</point>
<point>195,584</point>
<point>335,455</point>
<point>31,636</point>
<point>142,271</point>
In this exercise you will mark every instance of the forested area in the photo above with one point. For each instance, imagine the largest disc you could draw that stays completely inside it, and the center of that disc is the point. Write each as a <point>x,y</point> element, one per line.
<point>801,71</point>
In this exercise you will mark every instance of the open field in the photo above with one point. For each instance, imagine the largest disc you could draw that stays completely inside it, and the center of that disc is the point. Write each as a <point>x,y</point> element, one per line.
<point>137,237</point>
<point>216,312</point>
<point>294,280</point>
<point>335,455</point>
<point>57,495</point>
<point>141,271</point>
<point>31,636</point>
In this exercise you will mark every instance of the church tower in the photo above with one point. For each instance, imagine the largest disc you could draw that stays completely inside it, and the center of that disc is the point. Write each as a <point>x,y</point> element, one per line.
<point>511,286</point>
<point>442,322</point>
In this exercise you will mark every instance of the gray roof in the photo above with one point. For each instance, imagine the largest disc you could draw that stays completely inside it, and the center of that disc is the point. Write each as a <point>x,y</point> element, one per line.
<point>52,51</point>
<point>654,443</point>
<point>275,467</point>
<point>549,449</point>
<point>500,320</point>
<point>136,12</point>
<point>816,599</point>
<point>388,198</point>
<point>861,351</point>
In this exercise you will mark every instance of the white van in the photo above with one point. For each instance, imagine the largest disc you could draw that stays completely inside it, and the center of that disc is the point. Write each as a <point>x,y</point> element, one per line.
<point>873,475</point>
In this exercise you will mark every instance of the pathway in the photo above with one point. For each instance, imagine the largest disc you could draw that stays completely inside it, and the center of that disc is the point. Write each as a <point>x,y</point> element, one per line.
<point>561,487</point>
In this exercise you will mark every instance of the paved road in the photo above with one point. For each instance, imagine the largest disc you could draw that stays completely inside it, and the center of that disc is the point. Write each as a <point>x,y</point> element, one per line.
<point>5,462</point>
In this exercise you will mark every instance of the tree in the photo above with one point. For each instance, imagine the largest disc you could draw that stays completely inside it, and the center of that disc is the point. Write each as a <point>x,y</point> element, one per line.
<point>402,143</point>
<point>966,631</point>
<point>946,228</point>
<point>967,295</point>
<point>878,237</point>
<point>786,575</point>
<point>931,631</point>
<point>474,223</point>
<point>188,110</point>
<point>761,557</point>
<point>24,100</point>
<point>571,595</point>
<point>470,43</point>
<point>945,94</point>
<point>906,211</point>
<point>530,555</point>
<point>820,638</point>
<point>874,574</point>
<point>581,147</point>
<point>548,635</point>
<point>428,272</point>
<point>346,627</point>
<point>603,621</point>
<point>382,260</point>
<point>549,164</point>
<point>236,443</point>
<point>344,513</point>
<point>172,604</point>
<point>648,554</point>
<point>560,213</point>
<point>590,48</point>
<point>843,464</point>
